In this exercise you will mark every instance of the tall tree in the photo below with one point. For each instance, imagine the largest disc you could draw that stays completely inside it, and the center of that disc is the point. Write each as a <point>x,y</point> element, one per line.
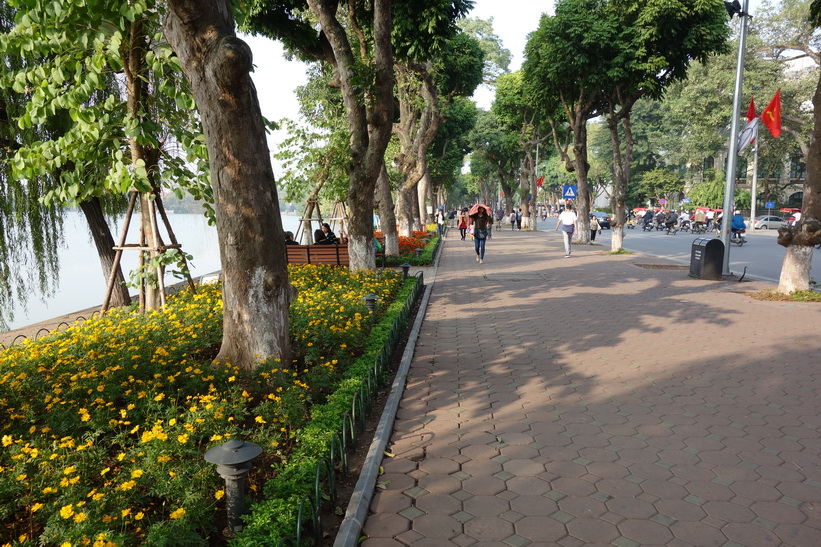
<point>256,292</point>
<point>655,43</point>
<point>495,146</point>
<point>517,114</point>
<point>799,239</point>
<point>564,76</point>
<point>356,42</point>
<point>425,86</point>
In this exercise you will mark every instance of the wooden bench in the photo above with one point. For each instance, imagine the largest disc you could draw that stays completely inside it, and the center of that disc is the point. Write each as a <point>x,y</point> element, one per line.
<point>334,255</point>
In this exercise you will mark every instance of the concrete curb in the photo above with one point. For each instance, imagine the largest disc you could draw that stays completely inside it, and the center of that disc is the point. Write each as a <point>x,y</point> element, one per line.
<point>350,530</point>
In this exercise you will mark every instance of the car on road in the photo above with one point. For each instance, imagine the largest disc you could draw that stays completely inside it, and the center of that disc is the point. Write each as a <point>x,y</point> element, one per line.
<point>767,222</point>
<point>603,218</point>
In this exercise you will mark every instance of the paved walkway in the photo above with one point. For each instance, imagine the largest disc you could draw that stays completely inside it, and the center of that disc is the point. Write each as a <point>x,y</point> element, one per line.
<point>590,400</point>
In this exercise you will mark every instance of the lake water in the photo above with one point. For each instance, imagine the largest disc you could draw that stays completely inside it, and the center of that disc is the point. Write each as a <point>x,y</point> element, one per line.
<point>81,282</point>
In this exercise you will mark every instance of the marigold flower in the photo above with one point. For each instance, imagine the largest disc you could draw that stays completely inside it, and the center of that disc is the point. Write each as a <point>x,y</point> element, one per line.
<point>67,511</point>
<point>80,517</point>
<point>36,507</point>
<point>219,494</point>
<point>179,513</point>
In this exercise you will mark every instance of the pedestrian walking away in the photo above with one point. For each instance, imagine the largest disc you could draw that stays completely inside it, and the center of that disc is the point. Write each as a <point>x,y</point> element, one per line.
<point>482,221</point>
<point>512,220</point>
<point>518,219</point>
<point>567,222</point>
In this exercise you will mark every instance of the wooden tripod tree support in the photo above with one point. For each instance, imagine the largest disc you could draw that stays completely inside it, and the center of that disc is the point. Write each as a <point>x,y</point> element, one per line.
<point>154,247</point>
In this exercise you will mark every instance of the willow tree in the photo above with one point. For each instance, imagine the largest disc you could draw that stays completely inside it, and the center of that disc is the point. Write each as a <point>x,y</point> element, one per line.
<point>106,71</point>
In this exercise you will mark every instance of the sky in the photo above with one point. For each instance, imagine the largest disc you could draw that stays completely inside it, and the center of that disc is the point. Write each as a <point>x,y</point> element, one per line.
<point>276,78</point>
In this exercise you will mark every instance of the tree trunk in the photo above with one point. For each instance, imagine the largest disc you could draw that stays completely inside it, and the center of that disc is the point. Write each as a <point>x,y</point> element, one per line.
<point>404,211</point>
<point>256,292</point>
<point>370,125</point>
<point>103,240</point>
<point>795,273</point>
<point>422,194</point>
<point>387,217</point>
<point>581,168</point>
<point>416,130</point>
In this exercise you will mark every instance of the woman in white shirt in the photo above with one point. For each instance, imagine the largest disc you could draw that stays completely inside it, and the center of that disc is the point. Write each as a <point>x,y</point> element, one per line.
<point>567,222</point>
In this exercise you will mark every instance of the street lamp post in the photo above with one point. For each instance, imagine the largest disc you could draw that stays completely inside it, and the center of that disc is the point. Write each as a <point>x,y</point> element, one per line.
<point>733,8</point>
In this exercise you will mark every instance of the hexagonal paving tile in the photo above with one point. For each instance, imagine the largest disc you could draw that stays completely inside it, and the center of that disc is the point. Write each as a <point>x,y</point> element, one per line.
<point>592,530</point>
<point>436,526</point>
<point>488,529</point>
<point>540,529</point>
<point>485,506</point>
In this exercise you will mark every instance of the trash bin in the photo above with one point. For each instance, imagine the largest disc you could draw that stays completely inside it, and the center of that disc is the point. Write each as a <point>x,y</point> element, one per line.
<point>707,258</point>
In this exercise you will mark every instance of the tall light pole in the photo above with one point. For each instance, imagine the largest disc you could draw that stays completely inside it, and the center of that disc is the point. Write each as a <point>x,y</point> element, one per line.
<point>733,8</point>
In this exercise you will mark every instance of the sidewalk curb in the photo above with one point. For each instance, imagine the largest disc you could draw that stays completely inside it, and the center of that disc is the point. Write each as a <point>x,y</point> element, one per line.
<point>350,530</point>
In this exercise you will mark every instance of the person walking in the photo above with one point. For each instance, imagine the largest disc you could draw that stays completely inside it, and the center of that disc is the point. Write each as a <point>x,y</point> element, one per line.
<point>463,224</point>
<point>518,219</point>
<point>512,220</point>
<point>567,222</point>
<point>440,222</point>
<point>594,227</point>
<point>480,217</point>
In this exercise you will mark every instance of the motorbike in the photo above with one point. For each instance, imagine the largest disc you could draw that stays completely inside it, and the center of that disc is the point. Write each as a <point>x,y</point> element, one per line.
<point>647,226</point>
<point>699,227</point>
<point>671,228</point>
<point>739,237</point>
<point>685,226</point>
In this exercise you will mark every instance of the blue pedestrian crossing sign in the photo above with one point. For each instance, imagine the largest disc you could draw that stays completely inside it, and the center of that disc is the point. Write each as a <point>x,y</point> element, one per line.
<point>569,191</point>
<point>769,205</point>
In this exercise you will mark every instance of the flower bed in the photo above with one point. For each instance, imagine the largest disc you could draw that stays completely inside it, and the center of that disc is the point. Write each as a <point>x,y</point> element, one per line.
<point>407,249</point>
<point>106,423</point>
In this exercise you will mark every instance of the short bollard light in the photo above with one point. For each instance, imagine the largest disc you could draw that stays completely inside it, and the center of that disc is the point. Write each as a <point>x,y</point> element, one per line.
<point>405,267</point>
<point>418,252</point>
<point>370,301</point>
<point>233,460</point>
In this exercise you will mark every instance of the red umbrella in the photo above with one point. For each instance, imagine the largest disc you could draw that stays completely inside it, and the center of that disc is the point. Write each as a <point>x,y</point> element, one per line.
<point>475,210</point>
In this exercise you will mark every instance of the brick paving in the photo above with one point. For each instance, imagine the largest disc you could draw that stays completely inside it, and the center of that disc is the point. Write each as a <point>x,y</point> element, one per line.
<point>591,401</point>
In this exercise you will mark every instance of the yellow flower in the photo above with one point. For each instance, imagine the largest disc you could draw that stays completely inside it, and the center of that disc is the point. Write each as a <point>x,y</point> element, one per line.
<point>159,397</point>
<point>67,511</point>
<point>139,516</point>
<point>7,440</point>
<point>104,471</point>
<point>219,494</point>
<point>179,513</point>
<point>182,439</point>
<point>125,512</point>
<point>127,485</point>
<point>164,458</point>
<point>36,507</point>
<point>137,473</point>
<point>21,477</point>
<point>80,517</point>
<point>260,420</point>
<point>65,544</point>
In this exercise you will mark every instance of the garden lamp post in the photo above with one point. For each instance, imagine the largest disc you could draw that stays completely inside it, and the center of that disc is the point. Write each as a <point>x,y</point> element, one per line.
<point>233,460</point>
<point>405,267</point>
<point>370,301</point>
<point>418,252</point>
